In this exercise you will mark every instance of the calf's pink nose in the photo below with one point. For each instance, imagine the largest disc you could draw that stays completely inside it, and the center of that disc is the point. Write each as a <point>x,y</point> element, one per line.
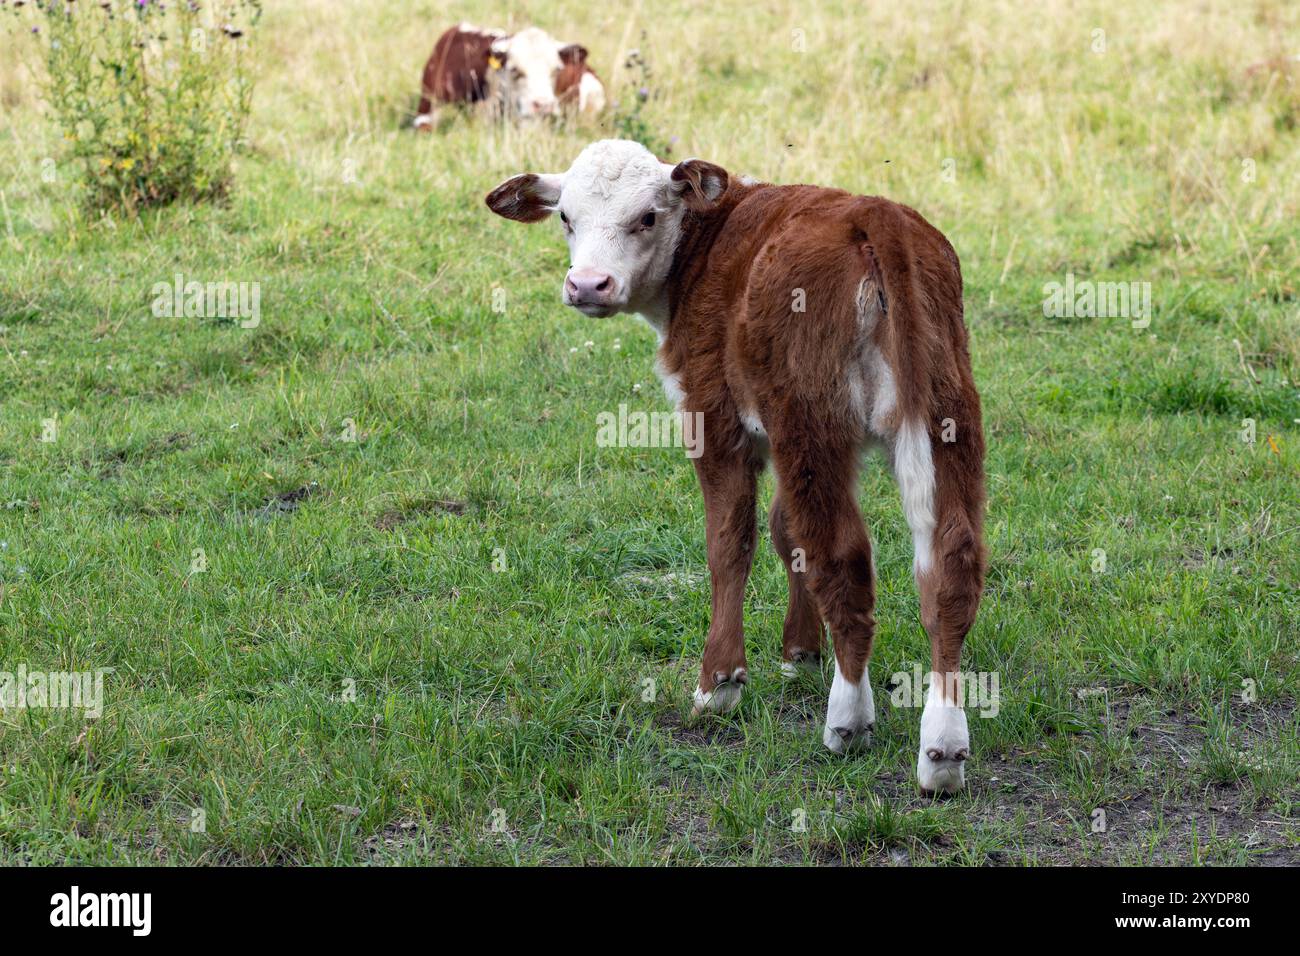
<point>589,287</point>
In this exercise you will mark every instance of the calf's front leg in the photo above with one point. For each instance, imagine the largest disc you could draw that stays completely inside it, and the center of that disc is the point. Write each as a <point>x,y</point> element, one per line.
<point>727,478</point>
<point>801,637</point>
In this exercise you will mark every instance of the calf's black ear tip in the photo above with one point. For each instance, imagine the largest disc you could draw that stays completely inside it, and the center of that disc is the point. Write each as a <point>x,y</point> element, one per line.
<point>493,199</point>
<point>502,193</point>
<point>516,199</point>
<point>528,197</point>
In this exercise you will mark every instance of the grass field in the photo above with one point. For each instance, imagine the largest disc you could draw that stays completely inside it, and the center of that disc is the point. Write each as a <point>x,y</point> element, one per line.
<point>470,635</point>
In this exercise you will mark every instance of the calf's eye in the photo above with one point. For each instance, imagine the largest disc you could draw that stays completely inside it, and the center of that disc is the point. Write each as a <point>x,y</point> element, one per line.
<point>647,220</point>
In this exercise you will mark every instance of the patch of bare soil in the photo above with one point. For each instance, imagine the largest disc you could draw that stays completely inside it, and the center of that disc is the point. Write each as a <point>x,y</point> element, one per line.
<point>1165,809</point>
<point>287,502</point>
<point>703,731</point>
<point>390,519</point>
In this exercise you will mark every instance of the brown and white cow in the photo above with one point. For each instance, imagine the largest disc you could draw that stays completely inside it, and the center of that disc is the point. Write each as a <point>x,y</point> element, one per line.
<point>804,324</point>
<point>526,74</point>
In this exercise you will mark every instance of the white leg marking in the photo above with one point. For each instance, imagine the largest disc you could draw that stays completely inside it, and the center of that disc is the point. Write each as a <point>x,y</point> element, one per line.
<point>850,713</point>
<point>724,696</point>
<point>945,743</point>
<point>804,663</point>
<point>757,433</point>
<point>885,399</point>
<point>591,94</point>
<point>914,469</point>
<point>672,383</point>
<point>753,424</point>
<point>424,119</point>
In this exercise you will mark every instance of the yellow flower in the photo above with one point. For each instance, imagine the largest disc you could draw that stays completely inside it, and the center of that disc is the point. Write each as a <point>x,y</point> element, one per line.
<point>127,163</point>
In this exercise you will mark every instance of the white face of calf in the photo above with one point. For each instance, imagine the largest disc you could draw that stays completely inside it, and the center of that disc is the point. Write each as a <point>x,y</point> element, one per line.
<point>530,62</point>
<point>622,214</point>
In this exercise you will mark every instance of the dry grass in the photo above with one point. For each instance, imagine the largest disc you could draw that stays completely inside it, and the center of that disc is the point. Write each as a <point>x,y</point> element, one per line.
<point>1142,142</point>
<point>522,691</point>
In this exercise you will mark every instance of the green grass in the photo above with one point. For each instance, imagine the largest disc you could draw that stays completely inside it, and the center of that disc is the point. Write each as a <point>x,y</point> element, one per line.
<point>552,698</point>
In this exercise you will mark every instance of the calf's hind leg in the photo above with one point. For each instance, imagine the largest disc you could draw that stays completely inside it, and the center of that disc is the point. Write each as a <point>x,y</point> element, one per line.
<point>942,485</point>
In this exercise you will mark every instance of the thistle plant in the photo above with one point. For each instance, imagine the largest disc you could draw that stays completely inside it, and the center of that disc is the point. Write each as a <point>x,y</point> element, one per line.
<point>151,98</point>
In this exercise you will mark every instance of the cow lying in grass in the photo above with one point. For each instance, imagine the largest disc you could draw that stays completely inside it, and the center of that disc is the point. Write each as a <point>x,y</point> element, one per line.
<point>804,324</point>
<point>527,74</point>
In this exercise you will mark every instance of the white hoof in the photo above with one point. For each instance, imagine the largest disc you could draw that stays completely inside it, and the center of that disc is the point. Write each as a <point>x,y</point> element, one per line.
<point>725,695</point>
<point>945,745</point>
<point>804,662</point>
<point>850,714</point>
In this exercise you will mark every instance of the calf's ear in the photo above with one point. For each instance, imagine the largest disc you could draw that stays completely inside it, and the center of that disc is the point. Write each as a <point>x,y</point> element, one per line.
<point>573,54</point>
<point>700,184</point>
<point>529,197</point>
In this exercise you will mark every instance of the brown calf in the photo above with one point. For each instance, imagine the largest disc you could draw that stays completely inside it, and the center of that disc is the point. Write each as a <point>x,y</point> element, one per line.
<point>524,74</point>
<point>805,324</point>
